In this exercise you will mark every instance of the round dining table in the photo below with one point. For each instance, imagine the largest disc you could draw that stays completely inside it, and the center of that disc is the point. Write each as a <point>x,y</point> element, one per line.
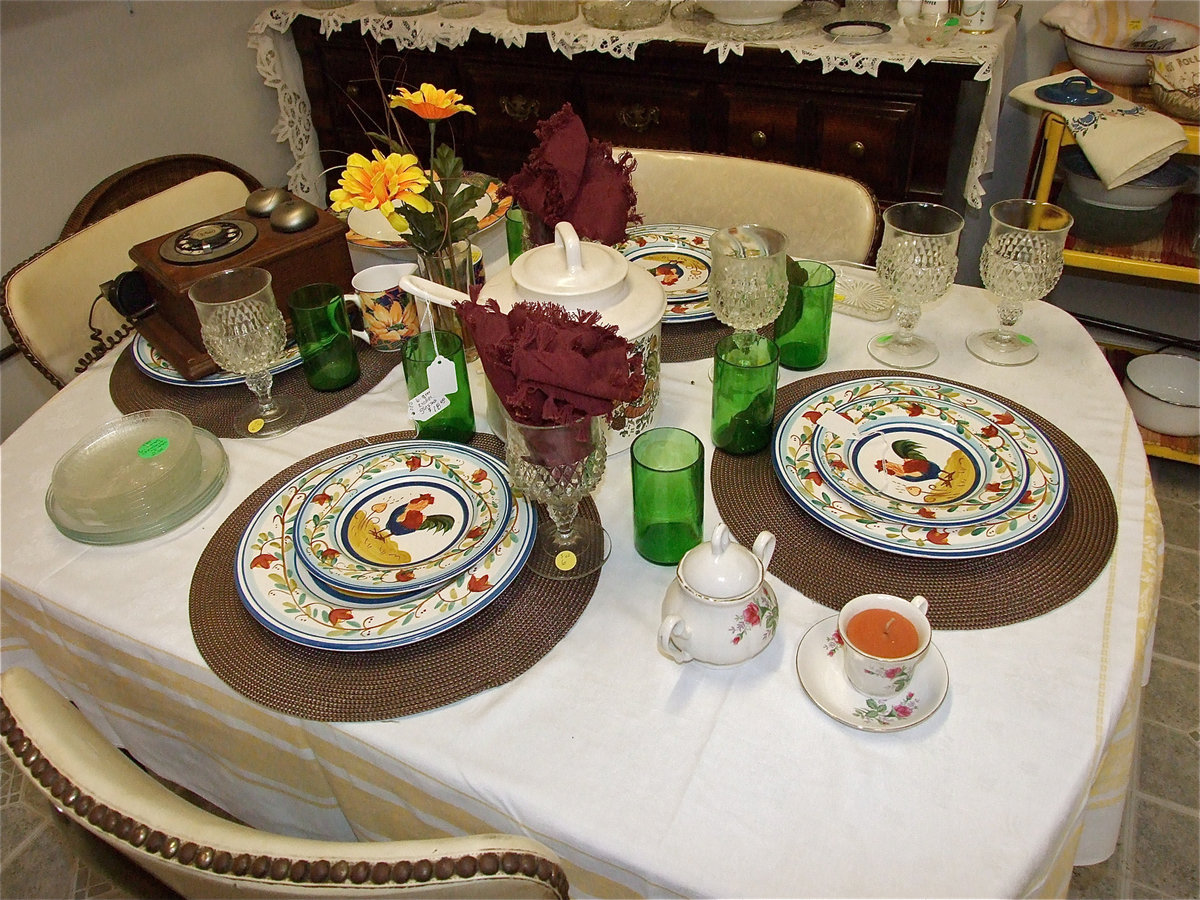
<point>648,777</point>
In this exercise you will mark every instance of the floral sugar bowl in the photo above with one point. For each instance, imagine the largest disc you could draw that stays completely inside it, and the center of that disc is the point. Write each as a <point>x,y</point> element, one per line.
<point>719,609</point>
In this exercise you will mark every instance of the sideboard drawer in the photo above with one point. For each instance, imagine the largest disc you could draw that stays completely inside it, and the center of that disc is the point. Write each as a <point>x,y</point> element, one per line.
<point>873,142</point>
<point>632,113</point>
<point>760,125</point>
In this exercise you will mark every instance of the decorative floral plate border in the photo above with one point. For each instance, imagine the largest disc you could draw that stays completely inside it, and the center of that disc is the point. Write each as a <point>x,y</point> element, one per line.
<point>675,249</point>
<point>284,600</point>
<point>998,464</point>
<point>151,363</point>
<point>1044,499</point>
<point>821,671</point>
<point>347,514</point>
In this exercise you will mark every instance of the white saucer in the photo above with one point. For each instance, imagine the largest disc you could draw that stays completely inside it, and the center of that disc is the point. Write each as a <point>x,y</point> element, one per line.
<point>819,665</point>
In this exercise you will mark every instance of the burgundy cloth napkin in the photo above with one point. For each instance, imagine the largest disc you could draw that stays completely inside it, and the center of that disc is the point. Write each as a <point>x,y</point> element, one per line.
<point>550,366</point>
<point>569,178</point>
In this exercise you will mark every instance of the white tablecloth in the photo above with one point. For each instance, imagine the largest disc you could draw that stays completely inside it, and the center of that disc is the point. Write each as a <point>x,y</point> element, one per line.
<point>279,63</point>
<point>646,776</point>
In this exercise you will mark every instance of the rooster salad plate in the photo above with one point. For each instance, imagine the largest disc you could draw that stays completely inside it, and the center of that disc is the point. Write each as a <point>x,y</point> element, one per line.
<point>679,258</point>
<point>920,461</point>
<point>867,504</point>
<point>404,518</point>
<point>282,595</point>
<point>155,365</point>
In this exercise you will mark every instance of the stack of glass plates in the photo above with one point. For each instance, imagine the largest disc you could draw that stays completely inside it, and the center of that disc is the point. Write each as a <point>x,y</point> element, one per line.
<point>678,256</point>
<point>921,468</point>
<point>134,478</point>
<point>383,546</point>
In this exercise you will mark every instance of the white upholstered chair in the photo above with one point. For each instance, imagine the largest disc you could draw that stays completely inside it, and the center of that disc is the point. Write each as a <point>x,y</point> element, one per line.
<point>200,854</point>
<point>825,216</point>
<point>46,300</point>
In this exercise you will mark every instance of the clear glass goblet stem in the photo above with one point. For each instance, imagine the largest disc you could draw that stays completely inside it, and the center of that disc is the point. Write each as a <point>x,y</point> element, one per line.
<point>260,383</point>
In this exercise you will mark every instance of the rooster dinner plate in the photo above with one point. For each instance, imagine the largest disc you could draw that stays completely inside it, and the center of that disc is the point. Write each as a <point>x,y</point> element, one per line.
<point>679,258</point>
<point>403,519</point>
<point>155,365</point>
<point>283,596</point>
<point>857,510</point>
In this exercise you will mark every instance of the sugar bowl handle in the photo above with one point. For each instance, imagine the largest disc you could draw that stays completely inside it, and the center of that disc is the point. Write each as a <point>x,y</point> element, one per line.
<point>671,628</point>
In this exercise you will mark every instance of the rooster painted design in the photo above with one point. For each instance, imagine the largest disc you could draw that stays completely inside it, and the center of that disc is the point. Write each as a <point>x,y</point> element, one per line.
<point>938,484</point>
<point>378,545</point>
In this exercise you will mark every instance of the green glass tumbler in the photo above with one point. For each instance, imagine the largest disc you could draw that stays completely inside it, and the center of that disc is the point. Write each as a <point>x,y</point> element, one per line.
<point>322,330</point>
<point>514,232</point>
<point>439,392</point>
<point>745,372</point>
<point>668,494</point>
<point>802,329</point>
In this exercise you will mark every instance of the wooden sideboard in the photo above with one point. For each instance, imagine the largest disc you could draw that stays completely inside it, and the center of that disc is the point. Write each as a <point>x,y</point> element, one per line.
<point>906,134</point>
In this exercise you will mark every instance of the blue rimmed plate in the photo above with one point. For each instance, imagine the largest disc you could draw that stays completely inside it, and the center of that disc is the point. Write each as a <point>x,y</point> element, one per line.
<point>678,256</point>
<point>922,461</point>
<point>1035,510</point>
<point>153,364</point>
<point>403,519</point>
<point>283,597</point>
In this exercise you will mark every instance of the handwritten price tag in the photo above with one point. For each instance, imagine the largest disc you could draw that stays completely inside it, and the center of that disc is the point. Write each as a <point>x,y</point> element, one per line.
<point>426,405</point>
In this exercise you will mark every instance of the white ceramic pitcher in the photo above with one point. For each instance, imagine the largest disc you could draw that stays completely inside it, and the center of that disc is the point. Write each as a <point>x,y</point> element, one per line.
<point>719,609</point>
<point>582,275</point>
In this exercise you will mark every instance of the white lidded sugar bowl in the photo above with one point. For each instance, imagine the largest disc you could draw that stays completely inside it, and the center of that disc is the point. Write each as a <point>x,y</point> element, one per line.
<point>719,609</point>
<point>581,275</point>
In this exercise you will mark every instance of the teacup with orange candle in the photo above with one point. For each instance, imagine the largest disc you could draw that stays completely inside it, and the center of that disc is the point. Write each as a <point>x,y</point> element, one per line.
<point>883,639</point>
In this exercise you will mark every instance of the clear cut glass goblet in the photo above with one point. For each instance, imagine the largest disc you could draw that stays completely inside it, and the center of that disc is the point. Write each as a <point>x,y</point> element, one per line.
<point>1021,261</point>
<point>916,262</point>
<point>244,332</point>
<point>557,466</point>
<point>748,285</point>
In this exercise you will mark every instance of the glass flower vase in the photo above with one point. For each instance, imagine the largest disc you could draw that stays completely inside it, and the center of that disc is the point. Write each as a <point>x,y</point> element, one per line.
<point>457,266</point>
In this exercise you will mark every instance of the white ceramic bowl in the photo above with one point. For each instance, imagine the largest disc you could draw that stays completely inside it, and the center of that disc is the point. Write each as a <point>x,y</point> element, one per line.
<point>747,12</point>
<point>1117,66</point>
<point>1151,190</point>
<point>1164,393</point>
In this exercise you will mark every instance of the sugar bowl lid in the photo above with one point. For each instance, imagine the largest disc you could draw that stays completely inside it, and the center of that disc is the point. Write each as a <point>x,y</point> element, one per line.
<point>723,569</point>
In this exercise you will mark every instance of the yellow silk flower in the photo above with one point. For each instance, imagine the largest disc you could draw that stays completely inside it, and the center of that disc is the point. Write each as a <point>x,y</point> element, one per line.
<point>382,183</point>
<point>431,103</point>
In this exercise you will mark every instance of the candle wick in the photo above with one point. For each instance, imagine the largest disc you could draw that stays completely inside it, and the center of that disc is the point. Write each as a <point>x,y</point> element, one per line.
<point>889,624</point>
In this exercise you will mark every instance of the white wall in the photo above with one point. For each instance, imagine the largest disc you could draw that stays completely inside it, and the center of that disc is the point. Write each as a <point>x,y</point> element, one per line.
<point>87,88</point>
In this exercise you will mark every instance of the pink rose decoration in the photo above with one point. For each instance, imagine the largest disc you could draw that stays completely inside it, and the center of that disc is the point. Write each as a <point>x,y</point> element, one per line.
<point>751,614</point>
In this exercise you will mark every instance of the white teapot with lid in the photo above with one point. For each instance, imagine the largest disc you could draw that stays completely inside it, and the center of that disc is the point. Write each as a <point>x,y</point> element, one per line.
<point>582,275</point>
<point>719,609</point>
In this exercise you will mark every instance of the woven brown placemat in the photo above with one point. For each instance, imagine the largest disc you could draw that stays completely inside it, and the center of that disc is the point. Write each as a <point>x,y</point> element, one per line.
<point>210,408</point>
<point>493,647</point>
<point>688,341</point>
<point>980,592</point>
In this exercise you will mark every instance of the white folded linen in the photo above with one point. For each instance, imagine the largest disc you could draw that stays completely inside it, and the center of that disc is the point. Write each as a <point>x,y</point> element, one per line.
<point>1121,139</point>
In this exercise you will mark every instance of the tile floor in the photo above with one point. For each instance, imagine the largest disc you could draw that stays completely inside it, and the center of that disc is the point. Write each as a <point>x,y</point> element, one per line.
<point>1157,856</point>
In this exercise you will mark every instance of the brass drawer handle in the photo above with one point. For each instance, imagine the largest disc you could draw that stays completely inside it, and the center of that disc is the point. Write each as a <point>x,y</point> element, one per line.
<point>639,118</point>
<point>519,107</point>
<point>856,150</point>
<point>758,139</point>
